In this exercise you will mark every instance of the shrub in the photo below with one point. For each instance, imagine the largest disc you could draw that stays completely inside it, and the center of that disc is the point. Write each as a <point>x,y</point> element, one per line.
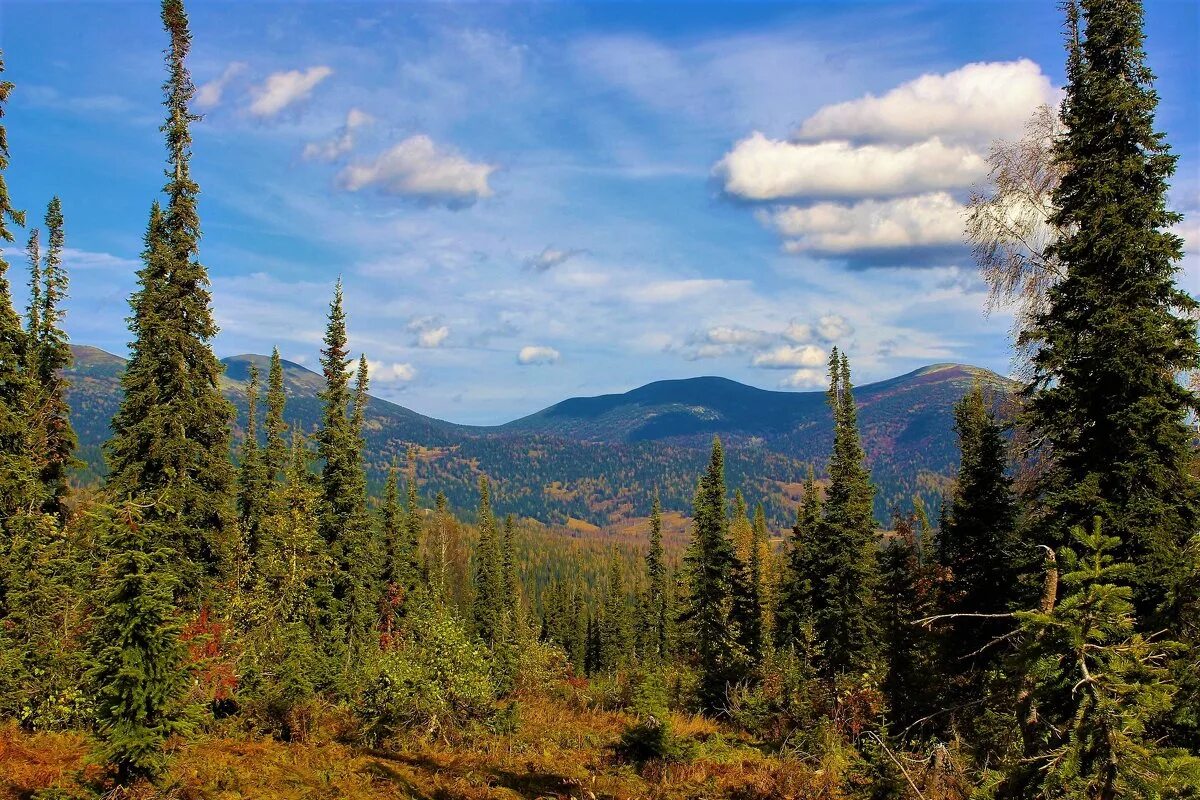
<point>435,681</point>
<point>650,737</point>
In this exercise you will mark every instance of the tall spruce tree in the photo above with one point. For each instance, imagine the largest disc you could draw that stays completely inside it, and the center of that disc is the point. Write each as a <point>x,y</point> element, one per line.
<point>656,590</point>
<point>905,595</point>
<point>50,354</point>
<point>277,450</point>
<point>392,533</point>
<point>138,676</point>
<point>510,590</point>
<point>344,524</point>
<point>795,613</point>
<point>1117,330</point>
<point>489,581</point>
<point>616,630</point>
<point>20,490</point>
<point>977,546</point>
<point>253,489</point>
<point>711,562</point>
<point>746,606</point>
<point>843,590</point>
<point>171,434</point>
<point>33,310</point>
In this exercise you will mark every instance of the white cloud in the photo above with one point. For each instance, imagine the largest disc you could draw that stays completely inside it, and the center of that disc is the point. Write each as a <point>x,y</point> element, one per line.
<point>395,372</point>
<point>88,260</point>
<point>974,104</point>
<point>417,167</point>
<point>827,328</point>
<point>208,95</point>
<point>806,378</point>
<point>282,89</point>
<point>736,336</point>
<point>724,340</point>
<point>433,337</point>
<point>533,354</point>
<point>758,168</point>
<point>549,258</point>
<point>927,220</point>
<point>833,326</point>
<point>790,357</point>
<point>342,142</point>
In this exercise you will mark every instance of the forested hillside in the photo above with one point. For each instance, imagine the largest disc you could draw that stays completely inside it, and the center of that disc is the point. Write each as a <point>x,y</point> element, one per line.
<point>599,459</point>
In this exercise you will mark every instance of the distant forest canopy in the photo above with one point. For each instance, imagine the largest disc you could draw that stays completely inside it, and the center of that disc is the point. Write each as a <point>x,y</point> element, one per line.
<point>599,460</point>
<point>239,586</point>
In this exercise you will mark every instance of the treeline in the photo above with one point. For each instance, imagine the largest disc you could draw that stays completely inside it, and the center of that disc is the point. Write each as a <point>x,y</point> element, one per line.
<point>1043,641</point>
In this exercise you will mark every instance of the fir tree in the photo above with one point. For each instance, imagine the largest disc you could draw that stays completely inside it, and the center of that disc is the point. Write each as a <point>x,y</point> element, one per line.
<point>489,585</point>
<point>510,597</point>
<point>33,320</point>
<point>656,573</point>
<point>795,614</point>
<point>277,451</point>
<point>138,674</point>
<point>1096,685</point>
<point>710,563</point>
<point>392,534</point>
<point>906,595</point>
<point>1117,330</point>
<point>413,516</point>
<point>615,628</point>
<point>20,491</point>
<point>171,435</point>
<point>50,354</point>
<point>843,589</point>
<point>977,546</point>
<point>252,480</point>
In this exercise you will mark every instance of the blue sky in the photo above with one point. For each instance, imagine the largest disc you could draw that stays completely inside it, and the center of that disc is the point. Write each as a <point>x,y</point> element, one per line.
<point>532,201</point>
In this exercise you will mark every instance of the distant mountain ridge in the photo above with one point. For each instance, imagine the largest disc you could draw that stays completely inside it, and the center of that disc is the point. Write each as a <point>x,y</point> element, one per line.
<point>599,458</point>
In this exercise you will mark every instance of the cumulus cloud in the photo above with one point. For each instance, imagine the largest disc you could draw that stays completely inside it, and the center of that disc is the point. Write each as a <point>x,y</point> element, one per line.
<point>394,372</point>
<point>208,95</point>
<point>282,89</point>
<point>790,357</point>
<point>927,220</point>
<point>724,340</point>
<point>433,337</point>
<point>418,167</point>
<point>827,328</point>
<point>973,104</point>
<point>536,354</point>
<point>806,378</point>
<point>758,168</point>
<point>549,258</point>
<point>342,142</point>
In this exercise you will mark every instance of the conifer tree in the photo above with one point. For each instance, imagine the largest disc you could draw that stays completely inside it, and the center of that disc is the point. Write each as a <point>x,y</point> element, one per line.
<point>656,573</point>
<point>20,491</point>
<point>711,562</point>
<point>1096,685</point>
<point>1118,329</point>
<point>795,614</point>
<point>138,675</point>
<point>252,479</point>
<point>437,562</point>
<point>616,631</point>
<point>510,596</point>
<point>843,591</point>
<point>171,435</point>
<point>977,546</point>
<point>392,533</point>
<point>277,451</point>
<point>906,595</point>
<point>746,602</point>
<point>764,568</point>
<point>50,353</point>
<point>344,524</point>
<point>413,517</point>
<point>488,578</point>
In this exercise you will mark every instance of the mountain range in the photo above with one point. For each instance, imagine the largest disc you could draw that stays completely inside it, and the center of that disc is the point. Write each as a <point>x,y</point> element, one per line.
<point>597,460</point>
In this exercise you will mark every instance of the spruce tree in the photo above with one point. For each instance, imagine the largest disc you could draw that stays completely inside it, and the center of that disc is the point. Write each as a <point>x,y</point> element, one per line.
<point>905,595</point>
<point>392,533</point>
<point>413,518</point>
<point>656,573</point>
<point>510,590</point>
<point>745,574</point>
<point>616,632</point>
<point>33,255</point>
<point>20,490</point>
<point>710,564</point>
<point>1117,330</point>
<point>795,614</point>
<point>977,546</point>
<point>50,354</point>
<point>1095,688</point>
<point>488,578</point>
<point>437,561</point>
<point>252,480</point>
<point>843,589</point>
<point>277,450</point>
<point>763,567</point>
<point>138,676</point>
<point>171,434</point>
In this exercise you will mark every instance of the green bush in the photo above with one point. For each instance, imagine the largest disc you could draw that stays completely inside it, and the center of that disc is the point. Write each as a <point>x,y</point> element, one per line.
<point>436,680</point>
<point>650,737</point>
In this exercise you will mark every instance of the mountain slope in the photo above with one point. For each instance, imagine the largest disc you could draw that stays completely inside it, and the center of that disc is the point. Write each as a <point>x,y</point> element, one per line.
<point>600,458</point>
